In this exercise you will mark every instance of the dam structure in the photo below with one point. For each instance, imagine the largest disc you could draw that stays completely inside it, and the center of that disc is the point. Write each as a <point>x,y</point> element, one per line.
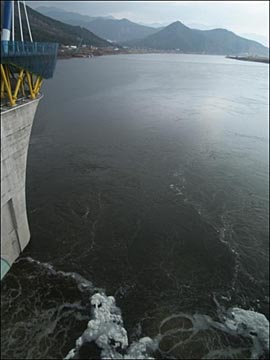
<point>24,65</point>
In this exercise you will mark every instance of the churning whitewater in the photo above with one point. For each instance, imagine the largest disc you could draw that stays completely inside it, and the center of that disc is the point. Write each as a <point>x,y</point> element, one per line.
<point>107,331</point>
<point>106,327</point>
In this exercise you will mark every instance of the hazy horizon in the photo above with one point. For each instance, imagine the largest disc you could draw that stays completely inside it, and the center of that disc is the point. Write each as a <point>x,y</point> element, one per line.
<point>246,18</point>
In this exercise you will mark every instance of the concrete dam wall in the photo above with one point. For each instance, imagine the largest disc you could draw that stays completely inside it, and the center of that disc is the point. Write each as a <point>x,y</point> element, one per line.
<point>16,125</point>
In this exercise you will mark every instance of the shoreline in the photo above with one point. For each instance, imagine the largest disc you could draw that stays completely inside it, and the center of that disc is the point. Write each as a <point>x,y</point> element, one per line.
<point>250,58</point>
<point>102,52</point>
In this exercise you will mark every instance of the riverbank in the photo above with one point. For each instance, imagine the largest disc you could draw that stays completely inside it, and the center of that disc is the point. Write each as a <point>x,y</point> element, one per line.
<point>250,58</point>
<point>89,52</point>
<point>93,52</point>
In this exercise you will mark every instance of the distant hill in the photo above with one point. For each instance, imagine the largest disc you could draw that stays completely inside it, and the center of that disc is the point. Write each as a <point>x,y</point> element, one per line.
<point>65,16</point>
<point>179,37</point>
<point>105,27</point>
<point>120,30</point>
<point>69,17</point>
<point>49,30</point>
<point>259,38</point>
<point>250,36</point>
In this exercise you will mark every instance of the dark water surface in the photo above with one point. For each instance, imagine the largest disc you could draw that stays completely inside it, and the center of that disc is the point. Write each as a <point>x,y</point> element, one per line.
<point>148,176</point>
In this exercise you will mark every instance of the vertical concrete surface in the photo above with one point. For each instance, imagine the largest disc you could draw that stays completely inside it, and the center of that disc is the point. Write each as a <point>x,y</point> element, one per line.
<point>16,125</point>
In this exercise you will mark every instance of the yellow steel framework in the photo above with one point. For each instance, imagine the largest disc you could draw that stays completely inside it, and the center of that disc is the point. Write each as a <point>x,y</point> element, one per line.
<point>15,81</point>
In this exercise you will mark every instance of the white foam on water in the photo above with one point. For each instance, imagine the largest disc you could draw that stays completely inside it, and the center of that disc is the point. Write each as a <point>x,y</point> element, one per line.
<point>250,324</point>
<point>247,323</point>
<point>107,331</point>
<point>82,283</point>
<point>235,321</point>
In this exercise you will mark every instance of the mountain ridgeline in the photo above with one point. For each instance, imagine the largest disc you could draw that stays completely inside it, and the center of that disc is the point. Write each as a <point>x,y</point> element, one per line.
<point>119,30</point>
<point>108,28</point>
<point>177,36</point>
<point>46,29</point>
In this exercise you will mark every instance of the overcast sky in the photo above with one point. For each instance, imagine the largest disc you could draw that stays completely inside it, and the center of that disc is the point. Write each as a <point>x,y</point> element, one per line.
<point>242,17</point>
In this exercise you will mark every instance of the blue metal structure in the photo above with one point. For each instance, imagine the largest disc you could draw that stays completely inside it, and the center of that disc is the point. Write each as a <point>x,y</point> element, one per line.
<point>7,20</point>
<point>23,64</point>
<point>36,57</point>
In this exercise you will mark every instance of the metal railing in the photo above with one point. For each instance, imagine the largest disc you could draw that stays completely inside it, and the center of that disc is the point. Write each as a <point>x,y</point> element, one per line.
<point>24,48</point>
<point>36,57</point>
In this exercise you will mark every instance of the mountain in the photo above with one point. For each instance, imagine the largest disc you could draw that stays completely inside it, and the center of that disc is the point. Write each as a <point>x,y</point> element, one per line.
<point>45,29</point>
<point>69,17</point>
<point>120,30</point>
<point>105,27</point>
<point>179,37</point>
<point>65,16</point>
<point>259,38</point>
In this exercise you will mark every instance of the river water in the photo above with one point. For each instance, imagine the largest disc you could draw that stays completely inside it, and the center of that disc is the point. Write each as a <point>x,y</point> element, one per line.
<point>147,180</point>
